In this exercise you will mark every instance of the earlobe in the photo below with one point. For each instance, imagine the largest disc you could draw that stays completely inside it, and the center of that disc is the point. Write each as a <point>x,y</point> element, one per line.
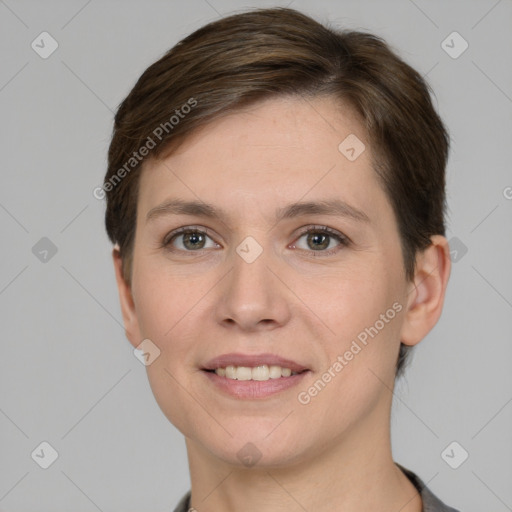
<point>426,295</point>
<point>130,320</point>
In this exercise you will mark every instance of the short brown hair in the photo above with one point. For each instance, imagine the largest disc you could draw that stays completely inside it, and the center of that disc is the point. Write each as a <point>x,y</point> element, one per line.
<point>244,58</point>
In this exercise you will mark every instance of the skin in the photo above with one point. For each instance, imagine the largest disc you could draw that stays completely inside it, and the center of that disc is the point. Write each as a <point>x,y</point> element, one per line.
<point>333,453</point>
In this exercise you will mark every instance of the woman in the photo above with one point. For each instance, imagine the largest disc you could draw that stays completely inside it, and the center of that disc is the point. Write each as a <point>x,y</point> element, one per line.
<point>275,194</point>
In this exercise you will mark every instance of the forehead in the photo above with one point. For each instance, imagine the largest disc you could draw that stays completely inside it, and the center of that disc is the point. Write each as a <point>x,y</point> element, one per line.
<point>276,151</point>
<point>294,122</point>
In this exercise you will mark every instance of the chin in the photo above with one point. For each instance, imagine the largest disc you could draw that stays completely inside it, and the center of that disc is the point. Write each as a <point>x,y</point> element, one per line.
<point>257,444</point>
<point>254,456</point>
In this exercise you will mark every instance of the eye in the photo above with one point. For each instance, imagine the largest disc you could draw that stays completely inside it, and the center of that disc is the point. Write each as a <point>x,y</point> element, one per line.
<point>188,239</point>
<point>322,239</point>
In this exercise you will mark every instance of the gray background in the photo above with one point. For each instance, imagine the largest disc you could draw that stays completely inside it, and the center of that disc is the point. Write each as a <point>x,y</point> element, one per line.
<point>69,377</point>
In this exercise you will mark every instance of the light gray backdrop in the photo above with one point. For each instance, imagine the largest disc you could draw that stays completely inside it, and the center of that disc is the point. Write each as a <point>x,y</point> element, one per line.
<point>69,377</point>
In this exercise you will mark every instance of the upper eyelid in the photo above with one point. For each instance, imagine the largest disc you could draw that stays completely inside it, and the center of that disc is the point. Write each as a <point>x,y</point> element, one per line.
<point>326,229</point>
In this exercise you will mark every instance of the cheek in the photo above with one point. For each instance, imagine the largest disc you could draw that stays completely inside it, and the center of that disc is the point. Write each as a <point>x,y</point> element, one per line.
<point>363,310</point>
<point>348,303</point>
<point>365,315</point>
<point>164,299</point>
<point>169,387</point>
<point>167,306</point>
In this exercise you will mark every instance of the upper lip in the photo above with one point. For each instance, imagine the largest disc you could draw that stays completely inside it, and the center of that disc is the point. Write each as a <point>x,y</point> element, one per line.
<point>252,360</point>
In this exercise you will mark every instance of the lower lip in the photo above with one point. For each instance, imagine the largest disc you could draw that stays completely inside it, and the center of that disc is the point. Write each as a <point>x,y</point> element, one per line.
<point>254,389</point>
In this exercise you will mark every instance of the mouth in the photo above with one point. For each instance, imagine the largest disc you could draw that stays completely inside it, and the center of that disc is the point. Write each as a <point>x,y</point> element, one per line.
<point>253,376</point>
<point>260,373</point>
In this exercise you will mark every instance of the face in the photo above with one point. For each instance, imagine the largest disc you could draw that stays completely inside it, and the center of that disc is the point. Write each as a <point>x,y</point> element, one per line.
<point>252,282</point>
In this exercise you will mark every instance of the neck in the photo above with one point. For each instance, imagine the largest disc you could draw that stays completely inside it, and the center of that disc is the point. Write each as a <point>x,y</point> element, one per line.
<point>353,473</point>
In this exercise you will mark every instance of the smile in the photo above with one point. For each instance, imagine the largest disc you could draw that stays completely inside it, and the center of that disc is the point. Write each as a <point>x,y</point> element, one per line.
<point>253,376</point>
<point>261,373</point>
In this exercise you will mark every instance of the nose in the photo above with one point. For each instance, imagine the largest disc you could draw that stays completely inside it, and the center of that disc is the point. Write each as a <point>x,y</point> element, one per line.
<point>252,296</point>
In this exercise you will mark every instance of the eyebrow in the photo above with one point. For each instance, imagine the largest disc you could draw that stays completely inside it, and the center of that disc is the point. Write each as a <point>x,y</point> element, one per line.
<point>335,207</point>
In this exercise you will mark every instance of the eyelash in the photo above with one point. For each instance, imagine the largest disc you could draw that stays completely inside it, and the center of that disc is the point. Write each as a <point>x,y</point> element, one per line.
<point>343,240</point>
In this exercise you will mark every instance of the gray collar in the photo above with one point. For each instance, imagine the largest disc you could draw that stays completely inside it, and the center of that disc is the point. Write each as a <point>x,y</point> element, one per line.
<point>430,502</point>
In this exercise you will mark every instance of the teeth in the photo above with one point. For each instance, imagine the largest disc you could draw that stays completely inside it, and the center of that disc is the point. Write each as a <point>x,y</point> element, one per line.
<point>285,372</point>
<point>230,372</point>
<point>261,373</point>
<point>275,372</point>
<point>243,373</point>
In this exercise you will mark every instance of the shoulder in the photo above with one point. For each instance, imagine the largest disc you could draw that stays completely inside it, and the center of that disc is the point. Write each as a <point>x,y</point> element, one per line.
<point>431,503</point>
<point>184,504</point>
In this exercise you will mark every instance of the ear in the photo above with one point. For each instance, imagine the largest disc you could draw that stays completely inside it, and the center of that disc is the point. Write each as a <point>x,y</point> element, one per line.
<point>427,291</point>
<point>131,323</point>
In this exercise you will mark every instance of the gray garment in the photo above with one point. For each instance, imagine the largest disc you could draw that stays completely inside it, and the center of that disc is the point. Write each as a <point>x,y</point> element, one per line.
<point>430,502</point>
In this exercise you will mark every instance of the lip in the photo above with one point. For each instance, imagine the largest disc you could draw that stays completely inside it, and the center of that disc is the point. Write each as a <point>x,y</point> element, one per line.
<point>253,389</point>
<point>237,359</point>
